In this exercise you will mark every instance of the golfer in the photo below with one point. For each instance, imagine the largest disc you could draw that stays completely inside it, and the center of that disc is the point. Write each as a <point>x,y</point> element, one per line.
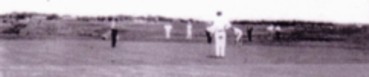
<point>219,29</point>
<point>238,32</point>
<point>114,33</point>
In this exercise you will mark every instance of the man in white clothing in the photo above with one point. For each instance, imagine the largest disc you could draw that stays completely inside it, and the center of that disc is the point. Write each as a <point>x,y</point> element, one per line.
<point>189,31</point>
<point>219,30</point>
<point>168,30</point>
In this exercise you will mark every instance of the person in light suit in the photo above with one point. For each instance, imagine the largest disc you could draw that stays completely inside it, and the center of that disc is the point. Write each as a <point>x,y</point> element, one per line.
<point>219,27</point>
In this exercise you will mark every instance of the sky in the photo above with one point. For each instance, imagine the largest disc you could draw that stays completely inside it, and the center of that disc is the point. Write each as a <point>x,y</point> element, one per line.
<point>340,11</point>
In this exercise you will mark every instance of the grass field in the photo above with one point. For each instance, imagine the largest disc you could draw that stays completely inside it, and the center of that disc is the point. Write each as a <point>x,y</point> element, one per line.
<point>69,48</point>
<point>94,58</point>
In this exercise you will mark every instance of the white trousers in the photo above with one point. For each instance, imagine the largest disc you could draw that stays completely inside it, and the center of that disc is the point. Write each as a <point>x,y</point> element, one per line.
<point>239,37</point>
<point>220,43</point>
<point>168,29</point>
<point>167,33</point>
<point>189,32</point>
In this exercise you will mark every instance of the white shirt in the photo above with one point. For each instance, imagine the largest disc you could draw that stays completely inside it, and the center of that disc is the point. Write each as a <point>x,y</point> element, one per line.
<point>237,31</point>
<point>272,28</point>
<point>113,24</point>
<point>167,27</point>
<point>189,26</point>
<point>219,25</point>
<point>278,28</point>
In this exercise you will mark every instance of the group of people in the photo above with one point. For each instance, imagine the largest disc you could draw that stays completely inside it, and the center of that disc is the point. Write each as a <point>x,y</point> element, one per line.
<point>216,31</point>
<point>112,34</point>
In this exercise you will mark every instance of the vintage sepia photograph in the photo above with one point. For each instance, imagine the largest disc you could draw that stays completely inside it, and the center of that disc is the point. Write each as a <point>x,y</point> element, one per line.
<point>184,38</point>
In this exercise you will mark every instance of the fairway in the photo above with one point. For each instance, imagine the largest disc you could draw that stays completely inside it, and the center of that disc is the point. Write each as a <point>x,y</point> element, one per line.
<point>94,58</point>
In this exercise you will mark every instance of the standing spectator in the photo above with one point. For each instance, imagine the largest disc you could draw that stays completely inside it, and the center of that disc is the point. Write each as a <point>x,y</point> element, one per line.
<point>189,31</point>
<point>114,33</point>
<point>274,31</point>
<point>168,29</point>
<point>277,35</point>
<point>249,33</point>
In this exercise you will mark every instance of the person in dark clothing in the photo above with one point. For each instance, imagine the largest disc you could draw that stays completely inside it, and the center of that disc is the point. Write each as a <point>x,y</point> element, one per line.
<point>208,37</point>
<point>114,34</point>
<point>277,36</point>
<point>249,33</point>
